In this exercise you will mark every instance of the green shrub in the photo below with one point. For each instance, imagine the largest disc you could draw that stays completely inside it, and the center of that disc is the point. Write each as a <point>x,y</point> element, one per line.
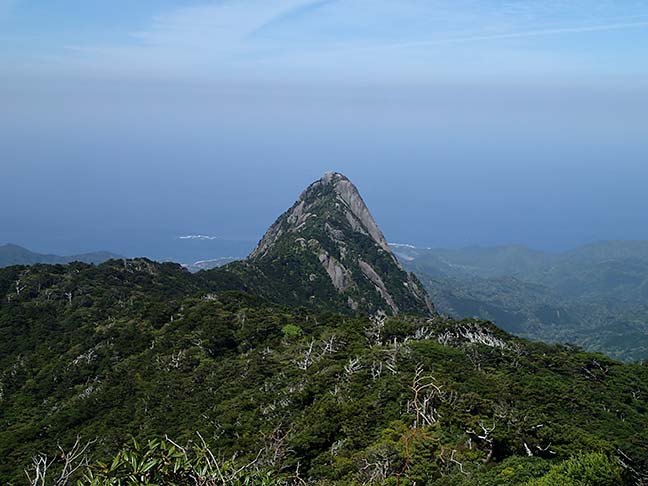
<point>162,462</point>
<point>515,471</point>
<point>591,469</point>
<point>291,330</point>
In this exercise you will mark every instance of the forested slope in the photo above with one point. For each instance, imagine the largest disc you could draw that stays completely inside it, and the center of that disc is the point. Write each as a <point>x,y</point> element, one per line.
<point>136,348</point>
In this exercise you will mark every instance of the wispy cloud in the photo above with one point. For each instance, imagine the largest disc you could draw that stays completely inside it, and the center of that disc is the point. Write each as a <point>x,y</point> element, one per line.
<point>515,35</point>
<point>198,37</point>
<point>306,8</point>
<point>319,37</point>
<point>222,26</point>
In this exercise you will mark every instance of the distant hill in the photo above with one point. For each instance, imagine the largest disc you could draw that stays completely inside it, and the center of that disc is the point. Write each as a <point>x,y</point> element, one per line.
<point>595,296</point>
<point>475,261</point>
<point>610,250</point>
<point>17,255</point>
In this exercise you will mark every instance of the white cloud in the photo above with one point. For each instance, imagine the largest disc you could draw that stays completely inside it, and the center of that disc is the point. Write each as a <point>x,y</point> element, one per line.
<point>199,37</point>
<point>255,38</point>
<point>198,237</point>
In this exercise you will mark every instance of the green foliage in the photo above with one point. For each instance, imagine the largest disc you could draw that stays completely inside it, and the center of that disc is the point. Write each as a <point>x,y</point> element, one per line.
<point>291,331</point>
<point>515,471</point>
<point>162,462</point>
<point>148,350</point>
<point>590,469</point>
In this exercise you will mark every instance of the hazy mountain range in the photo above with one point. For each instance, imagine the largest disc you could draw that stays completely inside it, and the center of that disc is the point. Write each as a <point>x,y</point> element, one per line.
<point>17,255</point>
<point>595,296</point>
<point>196,252</point>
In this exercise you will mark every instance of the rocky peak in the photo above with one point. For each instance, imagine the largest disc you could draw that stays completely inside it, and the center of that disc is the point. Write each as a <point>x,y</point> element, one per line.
<point>328,246</point>
<point>336,189</point>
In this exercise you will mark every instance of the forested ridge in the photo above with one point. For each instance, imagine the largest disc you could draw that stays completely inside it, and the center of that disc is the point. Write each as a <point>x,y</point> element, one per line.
<point>143,361</point>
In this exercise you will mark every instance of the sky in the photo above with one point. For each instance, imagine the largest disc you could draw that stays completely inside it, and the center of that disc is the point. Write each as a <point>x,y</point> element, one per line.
<point>126,125</point>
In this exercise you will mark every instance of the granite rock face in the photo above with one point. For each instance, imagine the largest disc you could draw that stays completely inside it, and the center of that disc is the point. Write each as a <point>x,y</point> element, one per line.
<point>327,248</point>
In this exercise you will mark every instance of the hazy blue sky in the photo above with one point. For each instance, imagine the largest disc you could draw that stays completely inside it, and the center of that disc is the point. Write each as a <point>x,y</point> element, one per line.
<point>461,121</point>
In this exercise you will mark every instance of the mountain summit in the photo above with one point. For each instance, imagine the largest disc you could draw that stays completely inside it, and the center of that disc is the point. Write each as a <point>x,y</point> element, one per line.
<point>333,193</point>
<point>327,249</point>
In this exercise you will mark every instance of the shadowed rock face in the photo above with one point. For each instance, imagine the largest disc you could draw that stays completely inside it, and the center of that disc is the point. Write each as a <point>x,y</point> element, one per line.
<point>328,246</point>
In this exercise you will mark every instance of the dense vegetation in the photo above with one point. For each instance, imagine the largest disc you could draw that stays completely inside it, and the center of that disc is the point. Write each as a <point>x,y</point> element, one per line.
<point>135,350</point>
<point>595,296</point>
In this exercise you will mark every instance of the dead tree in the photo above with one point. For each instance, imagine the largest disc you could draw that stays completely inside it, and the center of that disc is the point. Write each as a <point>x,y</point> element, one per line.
<point>484,436</point>
<point>423,404</point>
<point>545,450</point>
<point>276,448</point>
<point>376,370</point>
<point>176,360</point>
<point>635,471</point>
<point>527,449</point>
<point>337,445</point>
<point>461,468</point>
<point>473,355</point>
<point>353,366</point>
<point>307,359</point>
<point>42,473</point>
<point>422,333</point>
<point>377,466</point>
<point>213,473</point>
<point>392,352</point>
<point>476,334</point>
<point>241,318</point>
<point>329,346</point>
<point>517,348</point>
<point>374,330</point>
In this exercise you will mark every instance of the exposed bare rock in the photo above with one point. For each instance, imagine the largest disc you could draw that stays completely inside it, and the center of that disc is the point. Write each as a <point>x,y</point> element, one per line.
<point>301,242</point>
<point>339,275</point>
<point>271,236</point>
<point>349,194</point>
<point>334,233</point>
<point>371,274</point>
<point>352,303</point>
